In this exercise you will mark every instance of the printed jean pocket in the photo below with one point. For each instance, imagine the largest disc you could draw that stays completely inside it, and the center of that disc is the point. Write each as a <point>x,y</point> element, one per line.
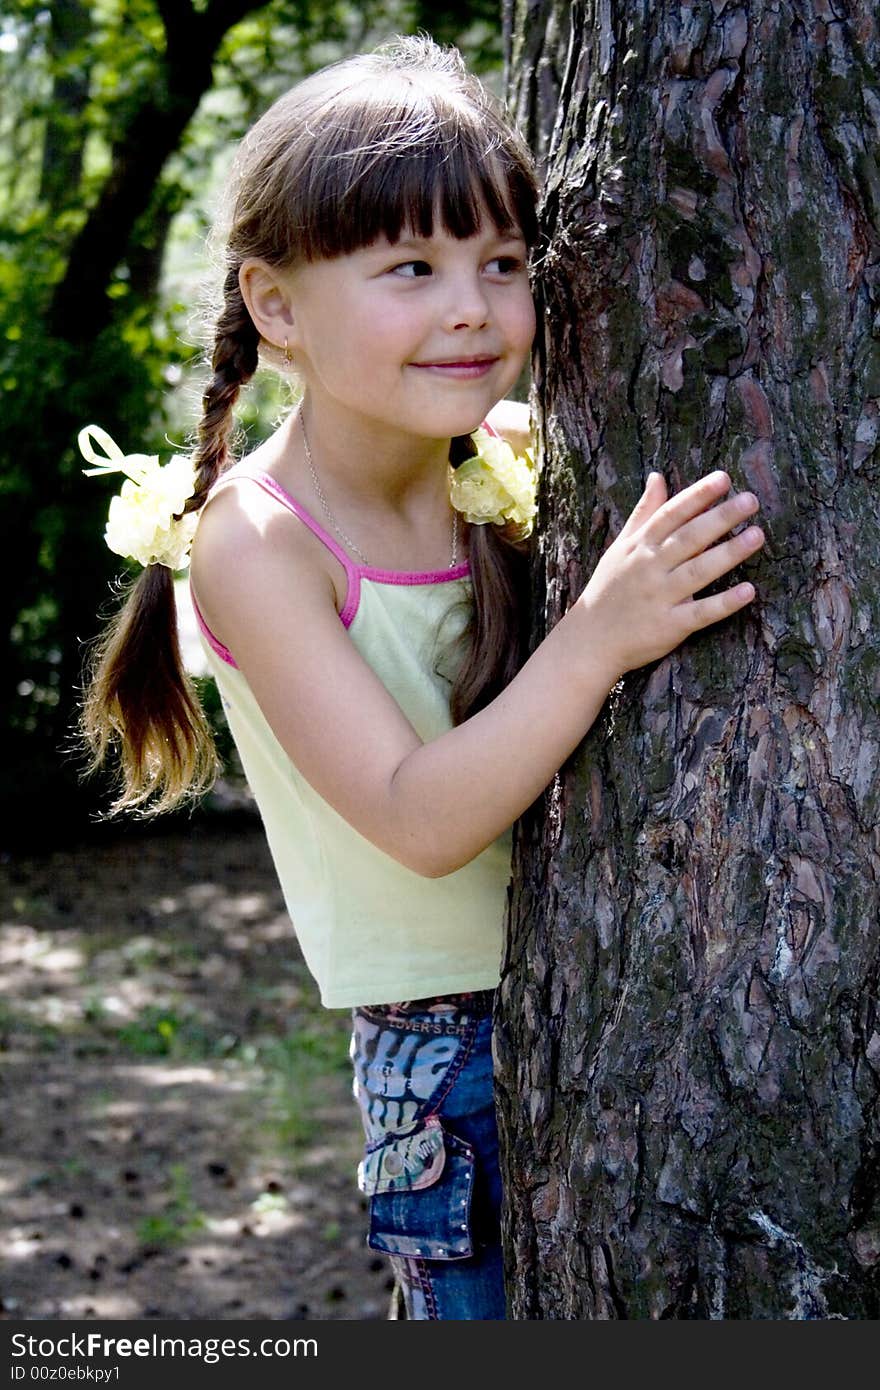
<point>419,1183</point>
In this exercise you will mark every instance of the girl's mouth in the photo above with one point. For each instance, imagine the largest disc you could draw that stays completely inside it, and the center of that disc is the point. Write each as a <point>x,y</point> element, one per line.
<point>462,368</point>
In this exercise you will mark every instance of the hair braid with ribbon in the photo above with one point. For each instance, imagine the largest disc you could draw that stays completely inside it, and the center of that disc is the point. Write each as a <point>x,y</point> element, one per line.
<point>139,695</point>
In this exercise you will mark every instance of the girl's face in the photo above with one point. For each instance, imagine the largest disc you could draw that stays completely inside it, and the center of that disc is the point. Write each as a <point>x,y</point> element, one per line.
<point>423,335</point>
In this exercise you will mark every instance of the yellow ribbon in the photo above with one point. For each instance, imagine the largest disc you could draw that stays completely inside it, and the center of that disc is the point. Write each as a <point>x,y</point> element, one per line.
<point>113,459</point>
<point>146,521</point>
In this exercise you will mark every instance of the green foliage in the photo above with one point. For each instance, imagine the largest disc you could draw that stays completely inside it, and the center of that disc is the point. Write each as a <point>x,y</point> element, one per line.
<point>295,1069</point>
<point>180,1217</point>
<point>161,1032</point>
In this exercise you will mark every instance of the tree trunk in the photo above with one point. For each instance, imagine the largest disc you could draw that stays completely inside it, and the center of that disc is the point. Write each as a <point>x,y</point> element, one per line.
<point>688,1045</point>
<point>80,307</point>
<point>70,25</point>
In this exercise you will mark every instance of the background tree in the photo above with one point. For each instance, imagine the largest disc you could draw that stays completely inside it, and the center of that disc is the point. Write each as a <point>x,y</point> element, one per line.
<point>689,1050</point>
<point>115,120</point>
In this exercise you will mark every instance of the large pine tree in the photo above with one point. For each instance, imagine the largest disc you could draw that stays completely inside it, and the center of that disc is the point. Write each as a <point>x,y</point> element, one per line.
<point>689,1042</point>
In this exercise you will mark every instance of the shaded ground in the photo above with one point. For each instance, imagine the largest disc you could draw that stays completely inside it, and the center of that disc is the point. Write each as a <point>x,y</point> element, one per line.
<point>177,1133</point>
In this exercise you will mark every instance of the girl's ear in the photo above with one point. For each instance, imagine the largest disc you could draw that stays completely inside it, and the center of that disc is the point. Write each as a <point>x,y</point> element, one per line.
<point>267,296</point>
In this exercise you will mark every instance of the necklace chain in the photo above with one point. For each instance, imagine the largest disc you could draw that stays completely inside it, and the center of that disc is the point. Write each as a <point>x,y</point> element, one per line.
<point>335,524</point>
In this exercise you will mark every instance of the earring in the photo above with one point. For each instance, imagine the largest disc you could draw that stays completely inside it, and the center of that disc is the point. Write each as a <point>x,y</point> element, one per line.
<point>288,360</point>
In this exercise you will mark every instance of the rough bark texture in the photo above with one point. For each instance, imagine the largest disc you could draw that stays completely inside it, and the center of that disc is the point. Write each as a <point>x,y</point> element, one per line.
<point>689,1042</point>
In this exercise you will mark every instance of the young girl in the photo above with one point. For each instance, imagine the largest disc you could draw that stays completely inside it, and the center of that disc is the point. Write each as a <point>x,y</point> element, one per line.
<point>360,602</point>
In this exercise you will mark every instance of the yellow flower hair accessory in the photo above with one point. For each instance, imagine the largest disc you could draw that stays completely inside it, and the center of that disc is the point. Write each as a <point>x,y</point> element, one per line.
<point>496,485</point>
<point>143,522</point>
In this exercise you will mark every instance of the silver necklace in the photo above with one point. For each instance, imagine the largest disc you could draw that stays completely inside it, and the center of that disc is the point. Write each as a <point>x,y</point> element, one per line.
<point>335,524</point>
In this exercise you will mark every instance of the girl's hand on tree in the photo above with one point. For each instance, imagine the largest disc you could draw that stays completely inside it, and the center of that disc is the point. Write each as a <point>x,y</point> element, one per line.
<point>641,595</point>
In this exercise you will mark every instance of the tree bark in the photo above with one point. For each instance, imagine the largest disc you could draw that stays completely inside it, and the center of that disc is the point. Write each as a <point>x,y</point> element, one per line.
<point>688,1046</point>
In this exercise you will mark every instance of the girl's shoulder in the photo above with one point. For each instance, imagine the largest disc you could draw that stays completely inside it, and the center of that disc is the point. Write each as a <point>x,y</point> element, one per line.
<point>251,521</point>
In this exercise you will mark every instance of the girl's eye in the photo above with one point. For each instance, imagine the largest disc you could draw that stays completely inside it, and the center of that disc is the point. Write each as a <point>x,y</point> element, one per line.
<point>410,269</point>
<point>504,265</point>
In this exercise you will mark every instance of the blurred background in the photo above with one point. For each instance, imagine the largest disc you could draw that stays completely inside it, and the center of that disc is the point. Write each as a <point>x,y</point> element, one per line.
<point>177,1134</point>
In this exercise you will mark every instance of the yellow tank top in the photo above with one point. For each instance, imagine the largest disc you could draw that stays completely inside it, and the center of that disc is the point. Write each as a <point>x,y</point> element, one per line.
<point>371,930</point>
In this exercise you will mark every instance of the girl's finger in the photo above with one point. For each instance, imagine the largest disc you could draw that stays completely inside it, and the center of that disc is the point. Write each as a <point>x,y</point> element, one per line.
<point>685,505</point>
<point>707,528</point>
<point>704,569</point>
<point>702,612</point>
<point>652,498</point>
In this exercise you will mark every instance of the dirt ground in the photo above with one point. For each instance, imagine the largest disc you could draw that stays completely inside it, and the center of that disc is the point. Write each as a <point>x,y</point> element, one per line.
<point>178,1137</point>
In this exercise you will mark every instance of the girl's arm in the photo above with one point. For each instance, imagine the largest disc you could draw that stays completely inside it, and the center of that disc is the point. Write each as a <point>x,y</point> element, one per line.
<point>435,806</point>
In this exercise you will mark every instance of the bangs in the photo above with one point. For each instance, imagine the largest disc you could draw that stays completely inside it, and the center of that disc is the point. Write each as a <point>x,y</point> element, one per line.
<point>411,176</point>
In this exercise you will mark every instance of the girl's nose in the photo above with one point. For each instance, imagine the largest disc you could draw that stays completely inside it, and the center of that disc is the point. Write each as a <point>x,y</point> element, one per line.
<point>468,306</point>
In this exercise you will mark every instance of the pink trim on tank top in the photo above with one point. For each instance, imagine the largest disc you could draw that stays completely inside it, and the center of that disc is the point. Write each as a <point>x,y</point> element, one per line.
<point>213,642</point>
<point>353,573</point>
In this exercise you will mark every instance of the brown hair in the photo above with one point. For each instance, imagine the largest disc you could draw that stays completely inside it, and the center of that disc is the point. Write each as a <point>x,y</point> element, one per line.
<point>372,145</point>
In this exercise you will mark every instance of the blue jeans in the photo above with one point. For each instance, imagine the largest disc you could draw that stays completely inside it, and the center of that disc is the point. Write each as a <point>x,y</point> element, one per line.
<point>423,1081</point>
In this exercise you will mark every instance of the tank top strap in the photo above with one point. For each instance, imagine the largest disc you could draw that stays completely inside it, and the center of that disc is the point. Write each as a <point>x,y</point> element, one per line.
<point>281,495</point>
<point>274,489</point>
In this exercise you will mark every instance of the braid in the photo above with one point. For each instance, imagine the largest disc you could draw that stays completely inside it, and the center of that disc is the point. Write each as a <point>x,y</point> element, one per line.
<point>139,696</point>
<point>234,361</point>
